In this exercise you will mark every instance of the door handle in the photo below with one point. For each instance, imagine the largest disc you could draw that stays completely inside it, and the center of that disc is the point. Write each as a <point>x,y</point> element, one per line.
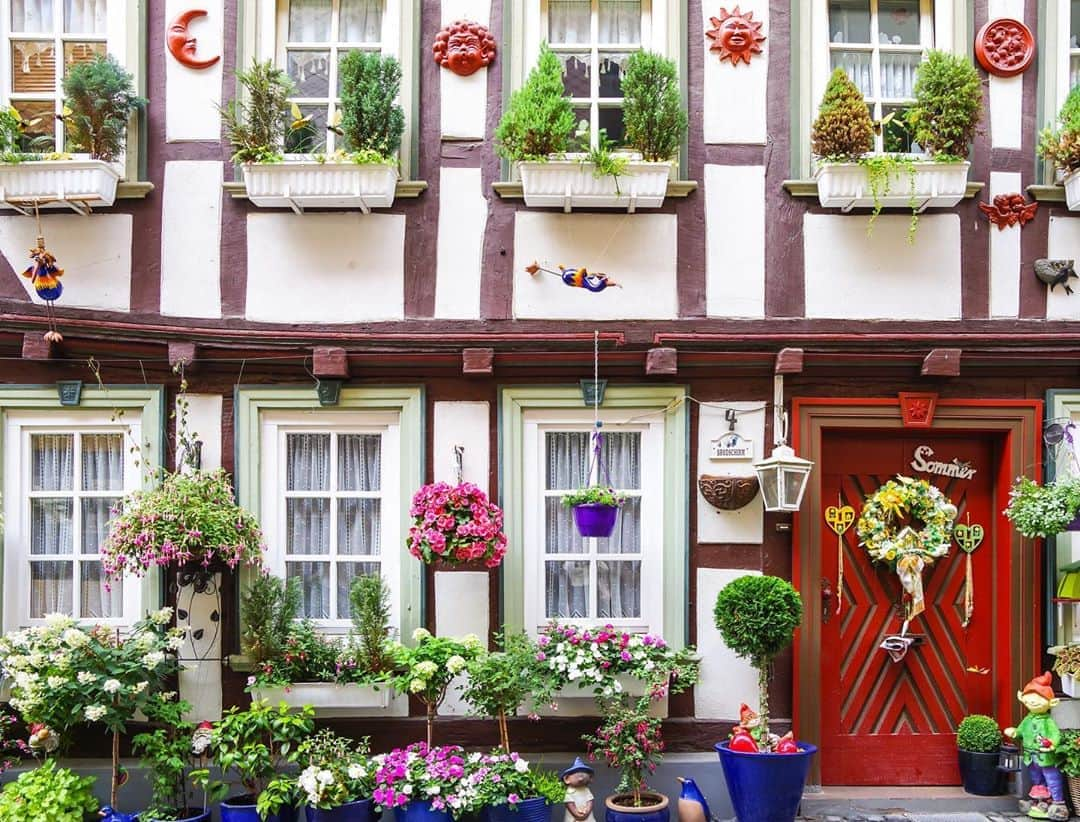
<point>826,599</point>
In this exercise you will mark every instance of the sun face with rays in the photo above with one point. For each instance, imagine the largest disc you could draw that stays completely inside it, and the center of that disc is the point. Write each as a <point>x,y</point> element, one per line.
<point>736,36</point>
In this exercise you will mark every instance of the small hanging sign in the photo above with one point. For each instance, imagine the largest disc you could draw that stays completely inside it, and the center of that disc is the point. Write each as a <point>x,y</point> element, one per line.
<point>839,517</point>
<point>968,537</point>
<point>732,446</point>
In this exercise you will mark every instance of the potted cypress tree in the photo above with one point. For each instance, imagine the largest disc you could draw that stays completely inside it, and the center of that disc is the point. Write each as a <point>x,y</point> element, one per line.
<point>942,122</point>
<point>1061,145</point>
<point>99,102</point>
<point>978,740</point>
<point>757,617</point>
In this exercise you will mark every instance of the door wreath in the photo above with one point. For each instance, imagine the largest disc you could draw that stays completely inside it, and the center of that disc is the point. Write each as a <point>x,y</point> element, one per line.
<point>907,523</point>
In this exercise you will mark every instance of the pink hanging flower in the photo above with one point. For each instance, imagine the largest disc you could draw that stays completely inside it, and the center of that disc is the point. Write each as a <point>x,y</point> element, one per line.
<point>456,524</point>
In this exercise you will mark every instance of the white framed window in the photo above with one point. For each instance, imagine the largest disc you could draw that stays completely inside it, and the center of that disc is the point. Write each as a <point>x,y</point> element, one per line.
<point>64,472</point>
<point>331,504</point>
<point>594,39</point>
<point>312,38</point>
<point>570,578</point>
<point>1074,43</point>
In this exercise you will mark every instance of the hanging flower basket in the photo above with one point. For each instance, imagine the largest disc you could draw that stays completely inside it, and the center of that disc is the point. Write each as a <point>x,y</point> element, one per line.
<point>595,510</point>
<point>1044,510</point>
<point>456,524</point>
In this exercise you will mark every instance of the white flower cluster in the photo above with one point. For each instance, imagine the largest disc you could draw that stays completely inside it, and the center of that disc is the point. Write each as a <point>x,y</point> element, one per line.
<point>315,781</point>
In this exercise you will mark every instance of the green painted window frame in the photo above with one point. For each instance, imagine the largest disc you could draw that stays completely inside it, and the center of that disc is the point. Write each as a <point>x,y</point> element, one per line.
<point>515,402</point>
<point>1061,403</point>
<point>1052,60</point>
<point>147,401</point>
<point>407,401</point>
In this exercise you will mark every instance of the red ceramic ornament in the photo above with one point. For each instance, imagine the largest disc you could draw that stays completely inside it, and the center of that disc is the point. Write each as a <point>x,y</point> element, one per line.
<point>182,45</point>
<point>1009,210</point>
<point>1005,47</point>
<point>787,745</point>
<point>743,742</point>
<point>736,36</point>
<point>464,47</point>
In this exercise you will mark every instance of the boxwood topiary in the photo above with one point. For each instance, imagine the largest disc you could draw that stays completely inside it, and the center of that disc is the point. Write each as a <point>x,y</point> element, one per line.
<point>539,118</point>
<point>978,733</point>
<point>948,105</point>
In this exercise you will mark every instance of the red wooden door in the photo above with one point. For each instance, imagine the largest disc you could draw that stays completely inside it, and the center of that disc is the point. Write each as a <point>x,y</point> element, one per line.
<point>892,723</point>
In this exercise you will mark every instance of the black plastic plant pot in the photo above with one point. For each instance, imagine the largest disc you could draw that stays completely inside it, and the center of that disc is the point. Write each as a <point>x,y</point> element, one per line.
<point>979,773</point>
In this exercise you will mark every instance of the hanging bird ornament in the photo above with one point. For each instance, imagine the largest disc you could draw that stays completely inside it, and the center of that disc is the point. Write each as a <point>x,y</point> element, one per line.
<point>1055,273</point>
<point>576,277</point>
<point>45,276</point>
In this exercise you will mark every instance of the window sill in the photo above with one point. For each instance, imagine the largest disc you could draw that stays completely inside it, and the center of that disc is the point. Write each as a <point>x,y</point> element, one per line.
<point>136,190</point>
<point>404,190</point>
<point>808,189</point>
<point>1047,194</point>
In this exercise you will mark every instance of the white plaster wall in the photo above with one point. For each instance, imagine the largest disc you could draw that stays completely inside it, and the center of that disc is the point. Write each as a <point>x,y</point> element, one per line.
<point>638,251</point>
<point>735,96</point>
<point>325,268</point>
<point>1004,252</point>
<point>463,100</point>
<point>726,680</point>
<point>94,252</point>
<point>192,95</point>
<point>850,274</point>
<point>461,607</point>
<point>746,525</point>
<point>735,241</point>
<point>467,424</point>
<point>1063,243</point>
<point>191,239</point>
<point>463,213</point>
<point>204,424</point>
<point>1006,93</point>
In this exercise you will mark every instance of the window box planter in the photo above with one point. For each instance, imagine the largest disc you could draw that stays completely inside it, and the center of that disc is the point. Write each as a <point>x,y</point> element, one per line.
<point>329,698</point>
<point>935,185</point>
<point>575,701</point>
<point>305,183</point>
<point>1071,181</point>
<point>569,183</point>
<point>76,184</point>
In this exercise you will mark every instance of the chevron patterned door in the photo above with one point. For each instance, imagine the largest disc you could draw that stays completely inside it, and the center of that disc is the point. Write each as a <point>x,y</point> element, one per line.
<point>892,723</point>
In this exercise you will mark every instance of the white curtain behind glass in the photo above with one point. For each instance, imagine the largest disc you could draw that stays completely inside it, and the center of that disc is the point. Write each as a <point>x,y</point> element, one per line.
<point>359,21</point>
<point>618,22</point>
<point>84,16</point>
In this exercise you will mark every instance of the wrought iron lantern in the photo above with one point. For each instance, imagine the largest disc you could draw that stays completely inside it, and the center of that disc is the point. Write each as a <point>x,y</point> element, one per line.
<point>783,477</point>
<point>1009,759</point>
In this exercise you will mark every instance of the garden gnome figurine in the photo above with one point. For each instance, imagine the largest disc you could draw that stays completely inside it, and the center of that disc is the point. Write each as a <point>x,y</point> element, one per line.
<point>579,799</point>
<point>692,804</point>
<point>1039,738</point>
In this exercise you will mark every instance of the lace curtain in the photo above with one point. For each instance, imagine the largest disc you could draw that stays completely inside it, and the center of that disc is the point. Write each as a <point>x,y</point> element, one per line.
<point>618,581</point>
<point>618,21</point>
<point>359,21</point>
<point>80,16</point>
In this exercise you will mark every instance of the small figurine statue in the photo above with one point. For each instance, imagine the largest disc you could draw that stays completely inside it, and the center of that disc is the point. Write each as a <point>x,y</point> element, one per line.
<point>693,807</point>
<point>576,277</point>
<point>579,799</point>
<point>1039,738</point>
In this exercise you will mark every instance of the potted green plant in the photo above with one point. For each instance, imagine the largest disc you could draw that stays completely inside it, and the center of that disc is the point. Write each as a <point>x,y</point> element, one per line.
<point>426,669</point>
<point>1044,510</point>
<point>1069,758</point>
<point>978,741</point>
<point>363,174</point>
<point>942,122</point>
<point>1061,146</point>
<point>595,509</point>
<point>1067,666</point>
<point>250,748</point>
<point>170,751</point>
<point>757,617</point>
<point>48,792</point>
<point>335,782</point>
<point>99,103</point>
<point>506,788</point>
<point>630,741</point>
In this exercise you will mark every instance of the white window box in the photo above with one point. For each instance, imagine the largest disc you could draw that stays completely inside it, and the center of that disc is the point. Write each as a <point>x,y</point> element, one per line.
<point>1069,685</point>
<point>1071,181</point>
<point>570,183</point>
<point>329,698</point>
<point>300,184</point>
<point>935,185</point>
<point>572,700</point>
<point>76,184</point>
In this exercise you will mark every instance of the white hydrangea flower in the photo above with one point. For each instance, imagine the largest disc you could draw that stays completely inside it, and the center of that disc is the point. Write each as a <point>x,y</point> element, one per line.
<point>417,685</point>
<point>74,638</point>
<point>55,682</point>
<point>325,777</point>
<point>420,634</point>
<point>94,712</point>
<point>471,641</point>
<point>455,664</point>
<point>174,642</point>
<point>139,687</point>
<point>85,677</point>
<point>427,668</point>
<point>57,620</point>
<point>162,616</point>
<point>153,659</point>
<point>111,686</point>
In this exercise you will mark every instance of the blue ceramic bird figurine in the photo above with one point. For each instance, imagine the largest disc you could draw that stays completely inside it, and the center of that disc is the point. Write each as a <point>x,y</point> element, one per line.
<point>692,804</point>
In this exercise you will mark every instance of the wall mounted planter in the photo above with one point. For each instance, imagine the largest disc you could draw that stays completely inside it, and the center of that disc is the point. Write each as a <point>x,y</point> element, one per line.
<point>569,183</point>
<point>75,184</point>
<point>301,184</point>
<point>580,701</point>
<point>935,185</point>
<point>329,698</point>
<point>1071,181</point>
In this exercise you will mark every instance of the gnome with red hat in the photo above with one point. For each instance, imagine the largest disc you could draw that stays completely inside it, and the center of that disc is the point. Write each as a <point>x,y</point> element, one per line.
<point>1039,738</point>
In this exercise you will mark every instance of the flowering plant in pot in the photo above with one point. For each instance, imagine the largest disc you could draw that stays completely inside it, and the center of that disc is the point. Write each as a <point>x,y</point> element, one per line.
<point>336,780</point>
<point>455,524</point>
<point>420,783</point>
<point>595,509</point>
<point>510,790</point>
<point>631,742</point>
<point>1044,510</point>
<point>427,669</point>
<point>978,741</point>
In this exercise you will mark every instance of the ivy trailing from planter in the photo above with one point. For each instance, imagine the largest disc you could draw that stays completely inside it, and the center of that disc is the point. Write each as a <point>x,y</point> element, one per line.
<point>603,157</point>
<point>880,168</point>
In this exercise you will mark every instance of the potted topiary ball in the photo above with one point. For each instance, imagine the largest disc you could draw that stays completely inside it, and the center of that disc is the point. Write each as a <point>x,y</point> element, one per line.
<point>757,617</point>
<point>595,510</point>
<point>978,740</point>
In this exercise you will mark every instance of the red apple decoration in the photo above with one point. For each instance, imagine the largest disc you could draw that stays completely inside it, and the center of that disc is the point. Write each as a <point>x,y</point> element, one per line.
<point>743,742</point>
<point>787,745</point>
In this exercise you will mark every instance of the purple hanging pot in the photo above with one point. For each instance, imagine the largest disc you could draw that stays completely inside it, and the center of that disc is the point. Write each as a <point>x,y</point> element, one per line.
<point>1074,525</point>
<point>594,519</point>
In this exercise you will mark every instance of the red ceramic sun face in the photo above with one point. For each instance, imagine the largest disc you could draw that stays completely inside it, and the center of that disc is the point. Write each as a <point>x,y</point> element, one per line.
<point>464,47</point>
<point>736,36</point>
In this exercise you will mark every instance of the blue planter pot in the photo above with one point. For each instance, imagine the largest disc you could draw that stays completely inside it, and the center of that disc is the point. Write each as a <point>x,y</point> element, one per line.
<point>358,811</point>
<point>765,787</point>
<point>109,815</point>
<point>528,810</point>
<point>420,811</point>
<point>242,809</point>
<point>194,816</point>
<point>619,808</point>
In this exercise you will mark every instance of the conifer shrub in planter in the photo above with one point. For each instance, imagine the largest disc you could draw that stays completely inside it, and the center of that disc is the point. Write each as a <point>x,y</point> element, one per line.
<point>1061,145</point>
<point>978,740</point>
<point>942,121</point>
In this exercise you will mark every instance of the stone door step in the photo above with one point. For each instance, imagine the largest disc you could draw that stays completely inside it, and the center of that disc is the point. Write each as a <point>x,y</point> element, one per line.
<point>923,803</point>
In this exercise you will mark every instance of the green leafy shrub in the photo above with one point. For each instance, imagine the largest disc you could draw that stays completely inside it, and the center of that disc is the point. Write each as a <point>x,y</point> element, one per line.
<point>539,118</point>
<point>757,617</point>
<point>1043,510</point>
<point>369,597</point>
<point>1061,145</point>
<point>948,105</point>
<point>843,130</point>
<point>595,495</point>
<point>653,114</point>
<point>255,121</point>
<point>15,144</point>
<point>371,117</point>
<point>1069,751</point>
<point>631,742</point>
<point>48,793</point>
<point>270,605</point>
<point>978,733</point>
<point>169,752</point>
<point>101,98</point>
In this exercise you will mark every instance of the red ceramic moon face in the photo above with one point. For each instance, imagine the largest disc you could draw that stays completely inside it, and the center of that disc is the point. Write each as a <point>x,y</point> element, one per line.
<point>1005,47</point>
<point>182,45</point>
<point>736,36</point>
<point>464,47</point>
